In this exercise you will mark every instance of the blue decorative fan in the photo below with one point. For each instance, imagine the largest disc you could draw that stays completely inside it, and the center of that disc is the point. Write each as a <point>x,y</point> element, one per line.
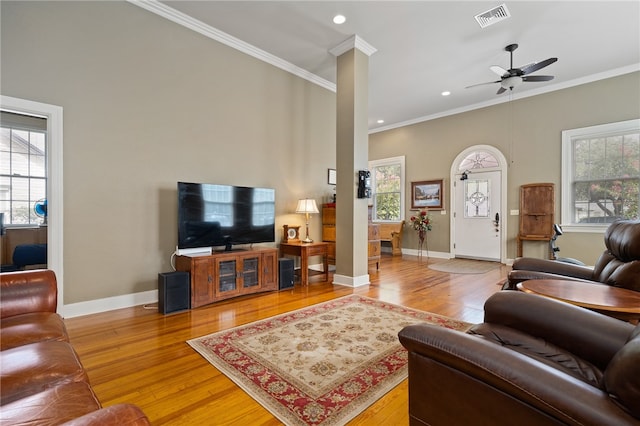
<point>40,209</point>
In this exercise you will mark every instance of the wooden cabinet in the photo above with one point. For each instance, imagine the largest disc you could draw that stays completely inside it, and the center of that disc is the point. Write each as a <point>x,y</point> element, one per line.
<point>329,230</point>
<point>374,247</point>
<point>537,207</point>
<point>329,236</point>
<point>224,275</point>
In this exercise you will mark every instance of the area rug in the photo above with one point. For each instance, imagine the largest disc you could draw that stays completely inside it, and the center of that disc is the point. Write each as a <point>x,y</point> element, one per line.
<point>464,266</point>
<point>321,365</point>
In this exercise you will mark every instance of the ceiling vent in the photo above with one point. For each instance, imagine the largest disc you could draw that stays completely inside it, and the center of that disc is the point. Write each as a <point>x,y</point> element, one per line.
<point>491,16</point>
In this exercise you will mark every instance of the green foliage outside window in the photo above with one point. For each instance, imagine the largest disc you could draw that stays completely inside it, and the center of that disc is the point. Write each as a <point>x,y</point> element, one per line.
<point>606,178</point>
<point>387,192</point>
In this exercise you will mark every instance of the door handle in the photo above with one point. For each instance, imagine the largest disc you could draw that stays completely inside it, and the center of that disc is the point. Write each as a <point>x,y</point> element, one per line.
<point>496,222</point>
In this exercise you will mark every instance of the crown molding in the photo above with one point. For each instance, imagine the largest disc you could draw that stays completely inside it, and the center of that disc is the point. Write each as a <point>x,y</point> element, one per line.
<point>353,42</point>
<point>206,30</point>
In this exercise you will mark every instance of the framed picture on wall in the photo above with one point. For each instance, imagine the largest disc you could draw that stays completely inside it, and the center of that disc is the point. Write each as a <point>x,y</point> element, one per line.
<point>427,194</point>
<point>332,177</point>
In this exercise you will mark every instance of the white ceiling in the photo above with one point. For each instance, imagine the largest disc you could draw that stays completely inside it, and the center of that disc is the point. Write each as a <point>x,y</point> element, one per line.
<point>427,47</point>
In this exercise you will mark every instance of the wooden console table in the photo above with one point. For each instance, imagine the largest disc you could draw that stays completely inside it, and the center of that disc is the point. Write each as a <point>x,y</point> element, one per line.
<point>304,251</point>
<point>612,301</point>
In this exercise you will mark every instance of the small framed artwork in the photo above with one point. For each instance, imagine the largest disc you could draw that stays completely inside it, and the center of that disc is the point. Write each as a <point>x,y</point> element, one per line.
<point>332,177</point>
<point>427,194</point>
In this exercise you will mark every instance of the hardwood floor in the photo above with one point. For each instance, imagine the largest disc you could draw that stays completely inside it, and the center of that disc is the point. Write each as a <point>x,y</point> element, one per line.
<point>139,356</point>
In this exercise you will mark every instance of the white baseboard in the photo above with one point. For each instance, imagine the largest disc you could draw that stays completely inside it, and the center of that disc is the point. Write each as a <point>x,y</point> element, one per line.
<point>109,304</point>
<point>425,253</point>
<point>351,281</point>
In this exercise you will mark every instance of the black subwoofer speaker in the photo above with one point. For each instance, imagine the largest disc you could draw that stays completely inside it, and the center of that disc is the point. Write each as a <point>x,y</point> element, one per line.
<point>285,272</point>
<point>174,292</point>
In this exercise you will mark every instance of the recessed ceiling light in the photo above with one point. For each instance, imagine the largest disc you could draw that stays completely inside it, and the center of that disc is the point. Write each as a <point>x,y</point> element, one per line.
<point>339,19</point>
<point>446,93</point>
<point>380,121</point>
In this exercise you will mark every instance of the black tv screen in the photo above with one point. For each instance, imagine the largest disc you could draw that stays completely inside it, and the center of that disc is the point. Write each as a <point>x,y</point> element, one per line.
<point>222,215</point>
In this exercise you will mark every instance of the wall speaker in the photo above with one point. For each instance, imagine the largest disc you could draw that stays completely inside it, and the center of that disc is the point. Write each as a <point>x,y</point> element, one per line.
<point>285,273</point>
<point>174,292</point>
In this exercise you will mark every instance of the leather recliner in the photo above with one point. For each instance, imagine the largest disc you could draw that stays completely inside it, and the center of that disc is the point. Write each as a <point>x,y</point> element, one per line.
<point>618,266</point>
<point>533,361</point>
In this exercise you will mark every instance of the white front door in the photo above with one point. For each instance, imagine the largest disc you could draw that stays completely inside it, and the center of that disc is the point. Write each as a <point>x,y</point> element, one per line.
<point>477,228</point>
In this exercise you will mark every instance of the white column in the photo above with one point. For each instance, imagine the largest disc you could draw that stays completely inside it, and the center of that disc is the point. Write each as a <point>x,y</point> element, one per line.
<point>352,154</point>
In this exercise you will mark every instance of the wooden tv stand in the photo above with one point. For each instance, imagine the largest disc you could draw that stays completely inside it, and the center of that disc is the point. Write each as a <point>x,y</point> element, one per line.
<point>226,274</point>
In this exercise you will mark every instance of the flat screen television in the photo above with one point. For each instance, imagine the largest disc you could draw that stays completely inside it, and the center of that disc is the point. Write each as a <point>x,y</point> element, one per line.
<point>223,215</point>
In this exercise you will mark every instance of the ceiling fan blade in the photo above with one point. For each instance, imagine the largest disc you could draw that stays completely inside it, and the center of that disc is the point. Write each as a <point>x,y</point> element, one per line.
<point>539,65</point>
<point>499,70</point>
<point>482,84</point>
<point>501,90</point>
<point>537,78</point>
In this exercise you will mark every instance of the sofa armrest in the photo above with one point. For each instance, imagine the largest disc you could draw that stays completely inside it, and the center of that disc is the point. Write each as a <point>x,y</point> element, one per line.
<point>518,275</point>
<point>532,384</point>
<point>28,291</point>
<point>590,335</point>
<point>553,267</point>
<point>117,415</point>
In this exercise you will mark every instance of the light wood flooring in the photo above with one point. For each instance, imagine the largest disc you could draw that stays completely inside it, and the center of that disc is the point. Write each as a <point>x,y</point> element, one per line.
<point>139,356</point>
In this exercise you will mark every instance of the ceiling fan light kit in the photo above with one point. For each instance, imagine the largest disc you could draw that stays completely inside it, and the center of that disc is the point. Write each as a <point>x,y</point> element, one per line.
<point>511,82</point>
<point>514,77</point>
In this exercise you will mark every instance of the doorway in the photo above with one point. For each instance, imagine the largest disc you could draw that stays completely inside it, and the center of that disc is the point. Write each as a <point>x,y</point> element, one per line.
<point>478,191</point>
<point>53,115</point>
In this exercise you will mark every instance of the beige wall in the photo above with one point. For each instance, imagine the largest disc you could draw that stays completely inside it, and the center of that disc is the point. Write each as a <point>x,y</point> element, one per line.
<point>148,103</point>
<point>529,134</point>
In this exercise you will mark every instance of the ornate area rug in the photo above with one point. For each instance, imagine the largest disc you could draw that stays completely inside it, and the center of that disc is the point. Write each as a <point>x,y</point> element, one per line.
<point>321,365</point>
<point>465,266</point>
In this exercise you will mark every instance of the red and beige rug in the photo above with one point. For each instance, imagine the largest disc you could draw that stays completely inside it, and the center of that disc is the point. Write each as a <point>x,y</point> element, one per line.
<point>321,365</point>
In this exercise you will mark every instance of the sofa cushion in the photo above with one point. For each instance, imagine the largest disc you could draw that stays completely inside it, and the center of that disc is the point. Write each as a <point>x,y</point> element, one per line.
<point>51,406</point>
<point>33,291</point>
<point>540,350</point>
<point>622,376</point>
<point>32,368</point>
<point>33,327</point>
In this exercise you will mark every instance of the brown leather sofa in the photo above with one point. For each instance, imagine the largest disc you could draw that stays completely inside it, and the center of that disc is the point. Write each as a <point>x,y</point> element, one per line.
<point>618,266</point>
<point>533,361</point>
<point>42,381</point>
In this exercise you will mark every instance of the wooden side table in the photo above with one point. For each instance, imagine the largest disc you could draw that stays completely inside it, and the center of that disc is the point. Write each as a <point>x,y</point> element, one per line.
<point>612,301</point>
<point>304,251</point>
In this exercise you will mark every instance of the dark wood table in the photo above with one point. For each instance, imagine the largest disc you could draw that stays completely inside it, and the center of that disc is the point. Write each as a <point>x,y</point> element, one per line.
<point>613,301</point>
<point>305,251</point>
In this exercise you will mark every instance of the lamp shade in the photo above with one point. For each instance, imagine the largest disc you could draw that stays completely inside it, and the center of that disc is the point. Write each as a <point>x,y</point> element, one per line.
<point>307,205</point>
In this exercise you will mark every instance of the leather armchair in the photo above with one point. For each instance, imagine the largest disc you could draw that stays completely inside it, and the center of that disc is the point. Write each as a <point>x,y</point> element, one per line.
<point>618,266</point>
<point>533,361</point>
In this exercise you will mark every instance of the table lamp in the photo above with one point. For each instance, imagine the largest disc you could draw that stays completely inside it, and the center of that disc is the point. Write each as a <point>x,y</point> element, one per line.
<point>307,206</point>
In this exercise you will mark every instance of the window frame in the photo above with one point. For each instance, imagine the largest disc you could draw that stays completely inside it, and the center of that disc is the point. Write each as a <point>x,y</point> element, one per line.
<point>568,169</point>
<point>388,162</point>
<point>18,122</point>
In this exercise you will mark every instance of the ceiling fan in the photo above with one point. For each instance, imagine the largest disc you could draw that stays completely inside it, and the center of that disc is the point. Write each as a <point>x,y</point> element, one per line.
<point>513,77</point>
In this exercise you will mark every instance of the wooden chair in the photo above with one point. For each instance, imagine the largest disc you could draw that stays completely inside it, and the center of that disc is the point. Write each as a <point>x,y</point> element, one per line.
<point>391,232</point>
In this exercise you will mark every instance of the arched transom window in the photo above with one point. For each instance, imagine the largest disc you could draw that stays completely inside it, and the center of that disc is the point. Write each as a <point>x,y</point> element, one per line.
<point>478,160</point>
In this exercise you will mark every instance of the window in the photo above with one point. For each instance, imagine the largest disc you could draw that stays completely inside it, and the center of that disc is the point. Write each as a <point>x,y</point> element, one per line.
<point>387,183</point>
<point>601,174</point>
<point>23,167</point>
